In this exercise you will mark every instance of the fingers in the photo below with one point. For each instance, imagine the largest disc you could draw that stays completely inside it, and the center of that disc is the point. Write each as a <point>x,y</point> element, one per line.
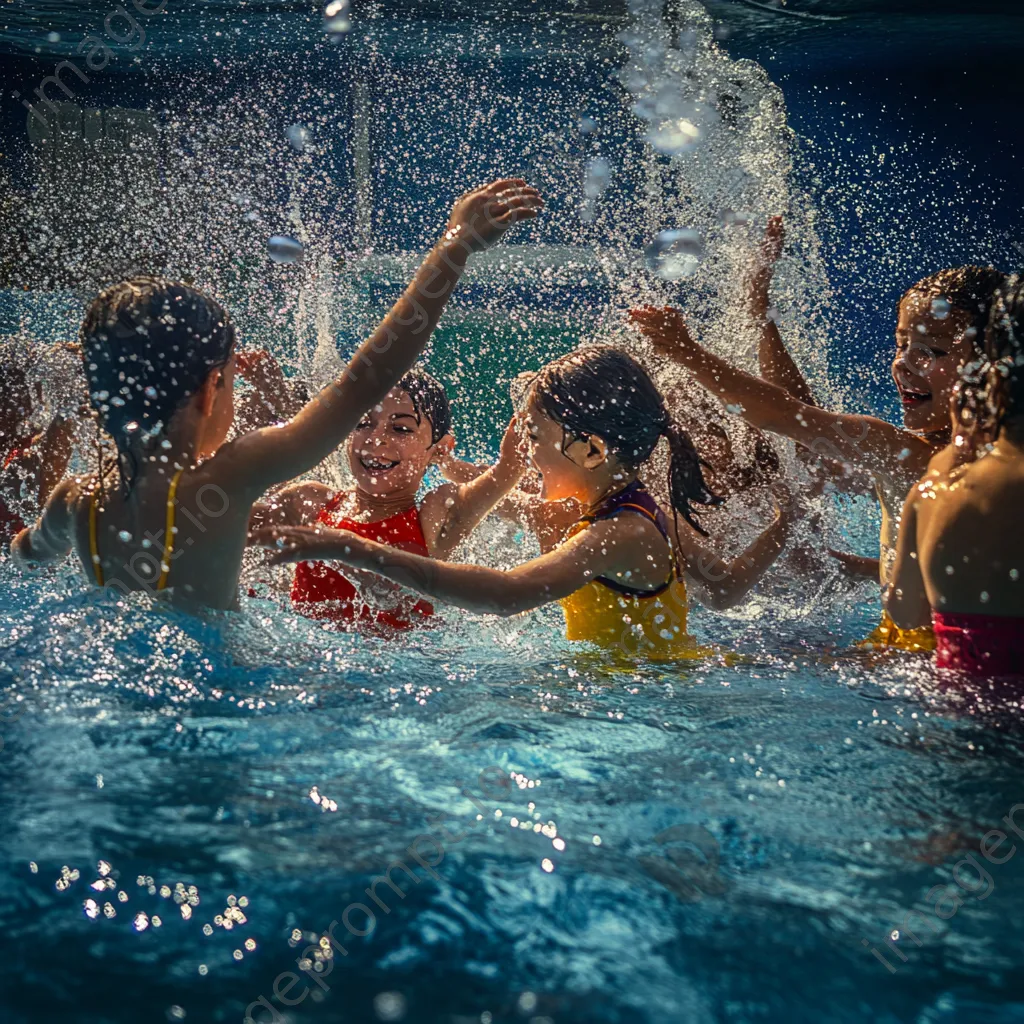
<point>504,183</point>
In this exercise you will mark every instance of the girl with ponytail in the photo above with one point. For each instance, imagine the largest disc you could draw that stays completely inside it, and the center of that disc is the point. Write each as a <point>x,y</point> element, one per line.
<point>593,419</point>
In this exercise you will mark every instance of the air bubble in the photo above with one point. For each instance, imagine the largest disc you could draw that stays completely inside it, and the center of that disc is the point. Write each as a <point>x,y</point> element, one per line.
<point>674,255</point>
<point>284,249</point>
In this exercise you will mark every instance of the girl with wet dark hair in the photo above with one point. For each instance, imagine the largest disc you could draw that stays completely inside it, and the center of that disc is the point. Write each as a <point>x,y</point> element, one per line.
<point>159,358</point>
<point>960,560</point>
<point>593,418</point>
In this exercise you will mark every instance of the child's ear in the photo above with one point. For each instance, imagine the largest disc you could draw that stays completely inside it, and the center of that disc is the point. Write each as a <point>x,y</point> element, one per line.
<point>444,447</point>
<point>597,452</point>
<point>207,394</point>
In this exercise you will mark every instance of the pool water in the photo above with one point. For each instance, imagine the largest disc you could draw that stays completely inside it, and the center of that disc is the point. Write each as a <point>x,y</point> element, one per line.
<point>654,844</point>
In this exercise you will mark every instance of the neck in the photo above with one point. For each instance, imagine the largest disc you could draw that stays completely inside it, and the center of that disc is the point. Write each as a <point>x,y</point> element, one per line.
<point>382,506</point>
<point>594,493</point>
<point>940,438</point>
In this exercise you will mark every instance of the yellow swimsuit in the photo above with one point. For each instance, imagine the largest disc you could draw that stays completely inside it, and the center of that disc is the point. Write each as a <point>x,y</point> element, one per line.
<point>887,634</point>
<point>637,623</point>
<point>165,560</point>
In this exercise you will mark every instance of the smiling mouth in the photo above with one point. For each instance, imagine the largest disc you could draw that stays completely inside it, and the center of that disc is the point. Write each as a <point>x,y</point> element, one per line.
<point>913,398</point>
<point>372,465</point>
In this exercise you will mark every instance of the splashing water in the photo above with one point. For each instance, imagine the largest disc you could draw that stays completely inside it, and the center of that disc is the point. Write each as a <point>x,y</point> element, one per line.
<point>669,844</point>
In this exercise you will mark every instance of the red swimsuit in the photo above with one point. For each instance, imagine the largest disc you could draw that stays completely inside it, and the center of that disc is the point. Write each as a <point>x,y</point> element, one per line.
<point>323,593</point>
<point>11,524</point>
<point>979,645</point>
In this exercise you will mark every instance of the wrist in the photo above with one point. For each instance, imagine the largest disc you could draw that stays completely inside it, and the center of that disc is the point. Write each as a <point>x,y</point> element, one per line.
<point>453,249</point>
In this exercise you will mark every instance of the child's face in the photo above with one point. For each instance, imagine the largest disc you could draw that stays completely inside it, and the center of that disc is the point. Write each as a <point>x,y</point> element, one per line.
<point>930,348</point>
<point>391,447</point>
<point>561,476</point>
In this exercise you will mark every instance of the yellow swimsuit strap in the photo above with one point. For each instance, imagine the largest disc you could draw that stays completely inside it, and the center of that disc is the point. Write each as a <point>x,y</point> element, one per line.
<point>165,559</point>
<point>94,548</point>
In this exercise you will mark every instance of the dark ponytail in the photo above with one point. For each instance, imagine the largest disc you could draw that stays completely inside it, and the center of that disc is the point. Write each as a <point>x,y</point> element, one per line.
<point>604,391</point>
<point>686,482</point>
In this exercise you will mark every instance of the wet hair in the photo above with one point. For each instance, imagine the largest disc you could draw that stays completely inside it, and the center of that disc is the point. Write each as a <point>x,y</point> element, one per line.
<point>147,347</point>
<point>992,391</point>
<point>603,391</point>
<point>429,400</point>
<point>970,289</point>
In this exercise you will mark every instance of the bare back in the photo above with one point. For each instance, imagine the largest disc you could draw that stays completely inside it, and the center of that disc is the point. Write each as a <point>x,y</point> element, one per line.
<point>208,537</point>
<point>969,540</point>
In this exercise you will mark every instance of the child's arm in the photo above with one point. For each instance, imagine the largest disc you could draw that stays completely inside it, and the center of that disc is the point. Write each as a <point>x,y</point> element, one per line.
<point>295,505</point>
<point>864,441</point>
<point>605,548</point>
<point>721,583</point>
<point>263,372</point>
<point>776,364</point>
<point>450,514</point>
<point>52,537</point>
<point>857,567</point>
<point>479,219</point>
<point>907,601</point>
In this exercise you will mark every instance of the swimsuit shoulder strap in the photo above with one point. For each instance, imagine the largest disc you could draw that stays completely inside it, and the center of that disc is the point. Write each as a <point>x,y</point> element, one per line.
<point>94,548</point>
<point>165,561</point>
<point>635,499</point>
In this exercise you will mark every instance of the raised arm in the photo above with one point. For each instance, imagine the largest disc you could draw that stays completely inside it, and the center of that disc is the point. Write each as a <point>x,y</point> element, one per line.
<point>455,511</point>
<point>52,537</point>
<point>295,505</point>
<point>864,441</point>
<point>479,219</point>
<point>478,589</point>
<point>722,583</point>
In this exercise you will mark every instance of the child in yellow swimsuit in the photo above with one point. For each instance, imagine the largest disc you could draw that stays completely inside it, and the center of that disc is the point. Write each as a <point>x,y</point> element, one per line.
<point>594,418</point>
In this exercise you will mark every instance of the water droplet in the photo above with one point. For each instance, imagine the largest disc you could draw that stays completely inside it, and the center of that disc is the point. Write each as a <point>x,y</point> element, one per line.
<point>389,1005</point>
<point>675,136</point>
<point>940,308</point>
<point>283,249</point>
<point>984,597</point>
<point>125,537</point>
<point>598,177</point>
<point>674,255</point>
<point>150,392</point>
<point>297,136</point>
<point>587,126</point>
<point>336,19</point>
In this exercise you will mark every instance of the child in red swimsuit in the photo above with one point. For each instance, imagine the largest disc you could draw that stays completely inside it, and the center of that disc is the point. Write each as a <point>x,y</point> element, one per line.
<point>389,452</point>
<point>960,560</point>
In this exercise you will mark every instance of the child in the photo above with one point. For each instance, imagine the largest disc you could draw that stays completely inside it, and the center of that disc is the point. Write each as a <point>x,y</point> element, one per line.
<point>594,418</point>
<point>960,558</point>
<point>32,461</point>
<point>941,319</point>
<point>159,358</point>
<point>389,452</point>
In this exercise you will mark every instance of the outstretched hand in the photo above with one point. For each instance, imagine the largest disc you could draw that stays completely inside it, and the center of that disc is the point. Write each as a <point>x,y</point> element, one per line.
<point>258,367</point>
<point>774,239</point>
<point>664,328</point>
<point>515,448</point>
<point>480,218</point>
